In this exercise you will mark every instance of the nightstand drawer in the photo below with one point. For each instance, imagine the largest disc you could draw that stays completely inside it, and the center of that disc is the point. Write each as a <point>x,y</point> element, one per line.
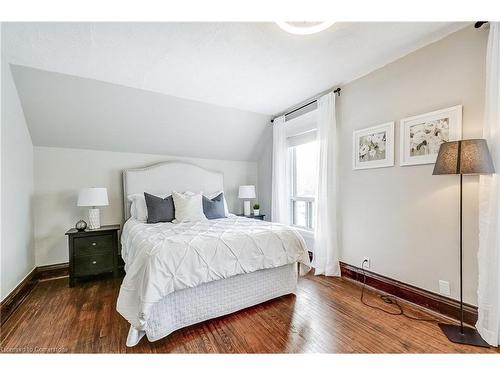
<point>93,244</point>
<point>93,264</point>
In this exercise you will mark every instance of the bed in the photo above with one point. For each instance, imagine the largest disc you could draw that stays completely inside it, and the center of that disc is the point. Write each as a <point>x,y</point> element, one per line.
<point>185,273</point>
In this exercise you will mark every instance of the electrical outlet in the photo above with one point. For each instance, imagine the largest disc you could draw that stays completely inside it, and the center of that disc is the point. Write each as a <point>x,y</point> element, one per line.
<point>444,287</point>
<point>366,262</point>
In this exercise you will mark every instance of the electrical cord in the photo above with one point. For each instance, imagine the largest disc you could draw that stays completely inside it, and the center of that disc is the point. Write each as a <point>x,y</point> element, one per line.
<point>390,301</point>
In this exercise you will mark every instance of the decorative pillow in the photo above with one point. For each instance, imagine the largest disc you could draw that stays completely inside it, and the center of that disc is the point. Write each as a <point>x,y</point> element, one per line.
<point>188,207</point>
<point>214,194</point>
<point>214,208</point>
<point>160,210</point>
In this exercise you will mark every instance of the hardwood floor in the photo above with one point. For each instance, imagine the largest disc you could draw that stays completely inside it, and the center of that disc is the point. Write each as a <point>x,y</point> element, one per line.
<point>325,316</point>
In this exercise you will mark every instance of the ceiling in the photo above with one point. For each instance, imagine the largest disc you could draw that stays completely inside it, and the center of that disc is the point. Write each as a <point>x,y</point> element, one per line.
<point>254,67</point>
<point>73,112</point>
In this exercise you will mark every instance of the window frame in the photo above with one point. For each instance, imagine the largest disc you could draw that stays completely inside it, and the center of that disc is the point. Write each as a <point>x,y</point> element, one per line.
<point>309,200</point>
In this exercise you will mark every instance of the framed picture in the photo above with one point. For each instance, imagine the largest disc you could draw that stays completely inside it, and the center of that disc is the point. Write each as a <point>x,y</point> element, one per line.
<point>373,147</point>
<point>422,135</point>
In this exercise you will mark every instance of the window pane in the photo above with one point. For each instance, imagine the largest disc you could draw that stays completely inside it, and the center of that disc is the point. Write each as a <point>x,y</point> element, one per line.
<point>306,160</point>
<point>312,213</point>
<point>300,213</point>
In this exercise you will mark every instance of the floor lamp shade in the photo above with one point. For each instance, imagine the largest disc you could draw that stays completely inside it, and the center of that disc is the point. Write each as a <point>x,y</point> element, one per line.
<point>469,156</point>
<point>93,197</point>
<point>246,192</point>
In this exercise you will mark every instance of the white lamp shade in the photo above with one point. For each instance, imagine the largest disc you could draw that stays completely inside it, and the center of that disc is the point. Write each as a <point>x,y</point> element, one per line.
<point>246,192</point>
<point>93,197</point>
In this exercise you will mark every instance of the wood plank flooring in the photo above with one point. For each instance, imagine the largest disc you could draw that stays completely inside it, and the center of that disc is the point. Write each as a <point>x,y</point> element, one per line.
<point>325,316</point>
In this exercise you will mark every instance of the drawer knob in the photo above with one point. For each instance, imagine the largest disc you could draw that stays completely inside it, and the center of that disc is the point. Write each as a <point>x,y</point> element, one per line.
<point>94,243</point>
<point>94,262</point>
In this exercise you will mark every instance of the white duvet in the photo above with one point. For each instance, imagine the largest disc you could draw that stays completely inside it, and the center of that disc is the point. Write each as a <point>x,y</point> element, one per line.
<point>163,258</point>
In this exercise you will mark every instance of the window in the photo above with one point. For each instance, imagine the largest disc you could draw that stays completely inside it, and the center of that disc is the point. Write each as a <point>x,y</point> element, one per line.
<point>303,164</point>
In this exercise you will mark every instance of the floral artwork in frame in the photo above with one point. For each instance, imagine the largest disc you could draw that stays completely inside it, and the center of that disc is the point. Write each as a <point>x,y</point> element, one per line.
<point>422,135</point>
<point>373,147</point>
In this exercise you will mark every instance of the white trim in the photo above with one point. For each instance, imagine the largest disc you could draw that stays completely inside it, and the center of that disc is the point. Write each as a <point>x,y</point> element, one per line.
<point>455,134</point>
<point>302,124</point>
<point>302,138</point>
<point>389,160</point>
<point>303,198</point>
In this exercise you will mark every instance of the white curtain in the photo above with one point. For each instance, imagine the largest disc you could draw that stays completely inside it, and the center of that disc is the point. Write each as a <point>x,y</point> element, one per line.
<point>280,183</point>
<point>326,249</point>
<point>488,323</point>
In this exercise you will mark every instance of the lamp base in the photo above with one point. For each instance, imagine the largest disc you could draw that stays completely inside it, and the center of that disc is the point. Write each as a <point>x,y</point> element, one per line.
<point>94,218</point>
<point>246,208</point>
<point>469,336</point>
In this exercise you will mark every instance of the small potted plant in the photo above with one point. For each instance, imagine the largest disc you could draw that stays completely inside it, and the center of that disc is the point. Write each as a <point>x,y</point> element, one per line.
<point>256,211</point>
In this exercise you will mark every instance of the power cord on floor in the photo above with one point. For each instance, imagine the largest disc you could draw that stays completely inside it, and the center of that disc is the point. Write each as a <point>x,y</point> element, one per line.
<point>389,300</point>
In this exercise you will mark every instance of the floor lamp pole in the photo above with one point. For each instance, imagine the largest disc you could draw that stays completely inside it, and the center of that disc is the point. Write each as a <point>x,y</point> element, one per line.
<point>461,334</point>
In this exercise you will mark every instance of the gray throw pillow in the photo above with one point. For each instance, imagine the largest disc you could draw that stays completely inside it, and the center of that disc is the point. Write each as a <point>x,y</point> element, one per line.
<point>160,210</point>
<point>214,208</point>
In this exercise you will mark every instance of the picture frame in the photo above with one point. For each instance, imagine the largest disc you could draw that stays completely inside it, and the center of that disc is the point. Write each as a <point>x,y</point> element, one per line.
<point>373,147</point>
<point>421,136</point>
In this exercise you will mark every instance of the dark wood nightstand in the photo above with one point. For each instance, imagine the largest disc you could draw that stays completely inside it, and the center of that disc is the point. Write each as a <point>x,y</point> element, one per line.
<point>252,216</point>
<point>93,252</point>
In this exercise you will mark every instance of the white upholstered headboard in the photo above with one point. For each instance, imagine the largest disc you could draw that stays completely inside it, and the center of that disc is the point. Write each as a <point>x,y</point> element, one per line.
<point>163,178</point>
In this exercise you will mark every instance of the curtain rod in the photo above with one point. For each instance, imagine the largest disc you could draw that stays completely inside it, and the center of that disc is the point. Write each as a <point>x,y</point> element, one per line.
<point>336,91</point>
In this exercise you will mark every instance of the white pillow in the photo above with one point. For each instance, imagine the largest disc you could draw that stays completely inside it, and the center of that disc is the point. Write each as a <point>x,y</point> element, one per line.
<point>188,207</point>
<point>213,195</point>
<point>138,208</point>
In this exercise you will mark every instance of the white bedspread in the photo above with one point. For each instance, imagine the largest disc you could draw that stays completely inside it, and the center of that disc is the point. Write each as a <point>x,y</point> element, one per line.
<point>163,258</point>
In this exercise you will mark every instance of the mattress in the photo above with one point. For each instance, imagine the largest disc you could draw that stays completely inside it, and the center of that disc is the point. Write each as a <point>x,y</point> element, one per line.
<point>193,305</point>
<point>165,258</point>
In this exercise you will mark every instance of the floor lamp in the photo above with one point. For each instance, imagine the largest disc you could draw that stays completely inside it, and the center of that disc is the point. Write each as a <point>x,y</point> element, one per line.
<point>468,157</point>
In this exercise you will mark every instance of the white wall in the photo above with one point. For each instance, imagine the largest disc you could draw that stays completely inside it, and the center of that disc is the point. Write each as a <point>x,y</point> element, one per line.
<point>17,255</point>
<point>403,218</point>
<point>61,172</point>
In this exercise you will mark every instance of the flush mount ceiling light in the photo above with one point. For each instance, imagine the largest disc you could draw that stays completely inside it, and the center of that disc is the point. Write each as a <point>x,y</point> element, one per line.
<point>304,28</point>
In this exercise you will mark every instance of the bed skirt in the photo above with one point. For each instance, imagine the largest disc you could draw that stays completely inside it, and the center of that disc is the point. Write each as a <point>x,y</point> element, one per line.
<point>211,300</point>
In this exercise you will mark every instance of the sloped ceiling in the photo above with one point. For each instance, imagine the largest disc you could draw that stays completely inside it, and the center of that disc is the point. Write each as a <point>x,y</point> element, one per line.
<point>191,89</point>
<point>68,111</point>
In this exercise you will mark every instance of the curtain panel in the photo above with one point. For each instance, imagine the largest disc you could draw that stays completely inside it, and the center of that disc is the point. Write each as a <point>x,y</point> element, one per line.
<point>280,180</point>
<point>326,247</point>
<point>488,324</point>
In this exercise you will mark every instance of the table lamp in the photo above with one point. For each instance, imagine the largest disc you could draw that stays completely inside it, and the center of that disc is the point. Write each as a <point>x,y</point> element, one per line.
<point>93,197</point>
<point>469,157</point>
<point>246,192</point>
